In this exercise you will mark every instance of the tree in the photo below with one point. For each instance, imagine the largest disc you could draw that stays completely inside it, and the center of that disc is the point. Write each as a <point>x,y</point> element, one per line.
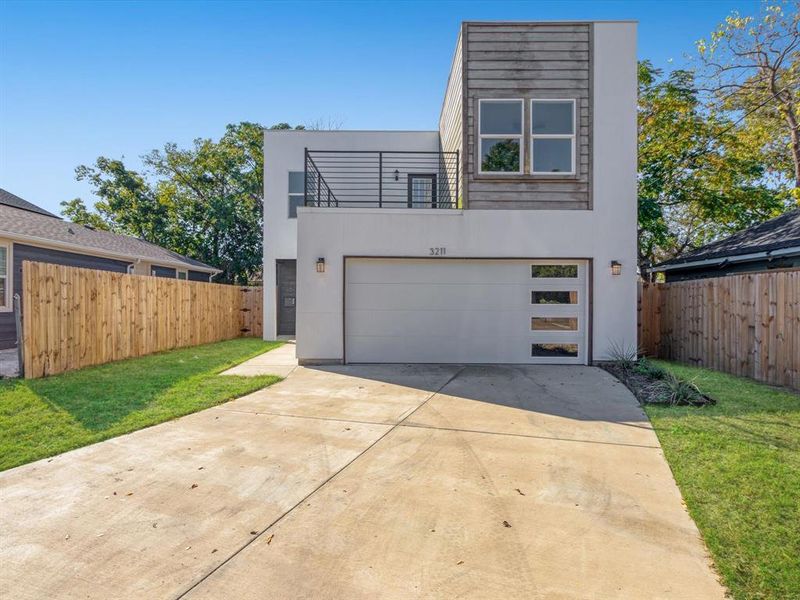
<point>75,210</point>
<point>752,68</point>
<point>699,176</point>
<point>205,202</point>
<point>128,203</point>
<point>213,194</point>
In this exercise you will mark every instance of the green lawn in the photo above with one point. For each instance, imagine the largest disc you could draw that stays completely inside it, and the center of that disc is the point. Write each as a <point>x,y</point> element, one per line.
<point>43,417</point>
<point>738,466</point>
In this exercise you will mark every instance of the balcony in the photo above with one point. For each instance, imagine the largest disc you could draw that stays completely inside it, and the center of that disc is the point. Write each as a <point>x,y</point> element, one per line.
<point>382,179</point>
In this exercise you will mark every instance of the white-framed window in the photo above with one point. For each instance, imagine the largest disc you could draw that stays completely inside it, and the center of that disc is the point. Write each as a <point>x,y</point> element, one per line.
<point>553,136</point>
<point>182,274</point>
<point>5,277</point>
<point>500,133</point>
<point>297,191</point>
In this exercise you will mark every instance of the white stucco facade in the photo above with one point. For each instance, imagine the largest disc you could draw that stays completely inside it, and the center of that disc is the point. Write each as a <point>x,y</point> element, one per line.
<point>283,153</point>
<point>603,234</point>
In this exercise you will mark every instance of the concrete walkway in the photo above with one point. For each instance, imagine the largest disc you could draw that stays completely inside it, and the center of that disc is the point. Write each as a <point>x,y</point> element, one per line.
<point>367,482</point>
<point>280,361</point>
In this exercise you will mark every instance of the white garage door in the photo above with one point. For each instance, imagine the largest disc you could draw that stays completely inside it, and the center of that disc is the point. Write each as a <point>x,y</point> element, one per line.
<point>465,311</point>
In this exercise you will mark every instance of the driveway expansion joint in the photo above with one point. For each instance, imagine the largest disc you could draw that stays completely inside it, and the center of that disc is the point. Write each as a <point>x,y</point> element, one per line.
<point>305,498</point>
<point>400,423</point>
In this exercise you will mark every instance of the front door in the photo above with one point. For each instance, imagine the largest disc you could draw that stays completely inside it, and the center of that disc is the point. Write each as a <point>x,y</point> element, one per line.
<point>287,300</point>
<point>422,190</point>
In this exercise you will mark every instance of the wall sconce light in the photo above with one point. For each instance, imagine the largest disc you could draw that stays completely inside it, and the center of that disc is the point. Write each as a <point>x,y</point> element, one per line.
<point>396,175</point>
<point>320,265</point>
<point>616,267</point>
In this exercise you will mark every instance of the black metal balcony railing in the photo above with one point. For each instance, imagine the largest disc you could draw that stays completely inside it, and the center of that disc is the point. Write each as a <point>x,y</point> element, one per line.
<point>382,179</point>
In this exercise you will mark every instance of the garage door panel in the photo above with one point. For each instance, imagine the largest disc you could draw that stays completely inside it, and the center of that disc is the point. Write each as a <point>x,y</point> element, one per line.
<point>442,296</point>
<point>431,271</point>
<point>437,349</point>
<point>438,322</point>
<point>464,311</point>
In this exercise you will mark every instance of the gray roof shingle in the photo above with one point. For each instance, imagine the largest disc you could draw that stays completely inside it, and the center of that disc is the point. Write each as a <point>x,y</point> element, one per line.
<point>10,199</point>
<point>37,223</point>
<point>777,233</point>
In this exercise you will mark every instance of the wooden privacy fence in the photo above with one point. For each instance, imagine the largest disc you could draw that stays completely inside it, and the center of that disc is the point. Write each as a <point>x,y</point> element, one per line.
<point>745,324</point>
<point>73,318</point>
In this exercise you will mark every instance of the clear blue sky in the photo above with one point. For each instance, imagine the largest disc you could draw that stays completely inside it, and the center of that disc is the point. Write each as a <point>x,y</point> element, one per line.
<point>80,80</point>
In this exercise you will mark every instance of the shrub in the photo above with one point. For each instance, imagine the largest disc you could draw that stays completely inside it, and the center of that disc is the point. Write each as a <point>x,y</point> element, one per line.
<point>649,369</point>
<point>673,391</point>
<point>623,356</point>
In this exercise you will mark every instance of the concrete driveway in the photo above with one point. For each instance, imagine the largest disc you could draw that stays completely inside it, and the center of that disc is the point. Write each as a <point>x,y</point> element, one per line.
<point>367,482</point>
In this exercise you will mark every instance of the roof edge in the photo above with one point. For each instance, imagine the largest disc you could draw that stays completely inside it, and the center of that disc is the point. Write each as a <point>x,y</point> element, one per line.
<point>79,249</point>
<point>731,258</point>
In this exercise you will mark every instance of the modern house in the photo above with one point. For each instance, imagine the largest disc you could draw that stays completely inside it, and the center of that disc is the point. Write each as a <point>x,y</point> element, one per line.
<point>28,232</point>
<point>507,235</point>
<point>773,244</point>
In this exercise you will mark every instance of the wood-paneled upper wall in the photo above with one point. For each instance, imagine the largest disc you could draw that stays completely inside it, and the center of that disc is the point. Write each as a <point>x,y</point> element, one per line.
<point>451,131</point>
<point>527,61</point>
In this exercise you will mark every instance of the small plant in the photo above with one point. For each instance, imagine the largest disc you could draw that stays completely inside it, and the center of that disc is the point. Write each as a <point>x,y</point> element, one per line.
<point>674,391</point>
<point>649,369</point>
<point>623,356</point>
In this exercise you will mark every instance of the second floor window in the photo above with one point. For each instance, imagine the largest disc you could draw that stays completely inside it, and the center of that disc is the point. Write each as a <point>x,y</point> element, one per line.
<point>500,132</point>
<point>553,137</point>
<point>297,190</point>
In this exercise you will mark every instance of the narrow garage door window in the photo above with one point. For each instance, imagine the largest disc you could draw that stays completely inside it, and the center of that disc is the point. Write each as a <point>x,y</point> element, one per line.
<point>558,312</point>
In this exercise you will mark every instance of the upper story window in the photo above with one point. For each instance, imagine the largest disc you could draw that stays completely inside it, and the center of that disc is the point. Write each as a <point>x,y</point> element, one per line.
<point>500,132</point>
<point>297,190</point>
<point>553,137</point>
<point>5,269</point>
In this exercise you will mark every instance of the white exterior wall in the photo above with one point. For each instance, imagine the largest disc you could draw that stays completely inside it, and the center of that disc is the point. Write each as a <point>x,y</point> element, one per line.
<point>606,233</point>
<point>284,152</point>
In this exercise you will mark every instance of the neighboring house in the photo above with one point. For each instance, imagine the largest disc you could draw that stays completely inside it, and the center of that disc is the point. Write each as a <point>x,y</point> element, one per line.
<point>28,232</point>
<point>508,235</point>
<point>773,244</point>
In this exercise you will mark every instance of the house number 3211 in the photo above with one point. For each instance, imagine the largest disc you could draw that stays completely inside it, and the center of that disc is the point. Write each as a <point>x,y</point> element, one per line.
<point>440,251</point>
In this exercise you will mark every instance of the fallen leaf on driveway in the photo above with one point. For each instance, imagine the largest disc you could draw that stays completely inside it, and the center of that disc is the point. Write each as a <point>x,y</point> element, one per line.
<point>254,532</point>
<point>269,539</point>
<point>506,524</point>
<point>519,491</point>
<point>194,485</point>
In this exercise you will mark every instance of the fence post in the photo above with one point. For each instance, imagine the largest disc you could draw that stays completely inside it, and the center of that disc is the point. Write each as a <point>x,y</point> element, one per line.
<point>20,336</point>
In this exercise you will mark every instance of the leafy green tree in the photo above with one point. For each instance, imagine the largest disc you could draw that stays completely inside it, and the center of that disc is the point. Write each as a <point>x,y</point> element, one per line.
<point>128,203</point>
<point>699,176</point>
<point>205,201</point>
<point>751,67</point>
<point>75,210</point>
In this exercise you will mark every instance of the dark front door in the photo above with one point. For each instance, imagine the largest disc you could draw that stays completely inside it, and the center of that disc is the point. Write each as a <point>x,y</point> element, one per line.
<point>287,284</point>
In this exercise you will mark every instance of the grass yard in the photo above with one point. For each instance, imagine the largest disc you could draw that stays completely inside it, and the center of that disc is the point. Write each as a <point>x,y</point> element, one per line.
<point>738,466</point>
<point>44,417</point>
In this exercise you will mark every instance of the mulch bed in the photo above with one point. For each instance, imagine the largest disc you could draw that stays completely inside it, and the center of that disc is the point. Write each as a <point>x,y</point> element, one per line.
<point>641,385</point>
